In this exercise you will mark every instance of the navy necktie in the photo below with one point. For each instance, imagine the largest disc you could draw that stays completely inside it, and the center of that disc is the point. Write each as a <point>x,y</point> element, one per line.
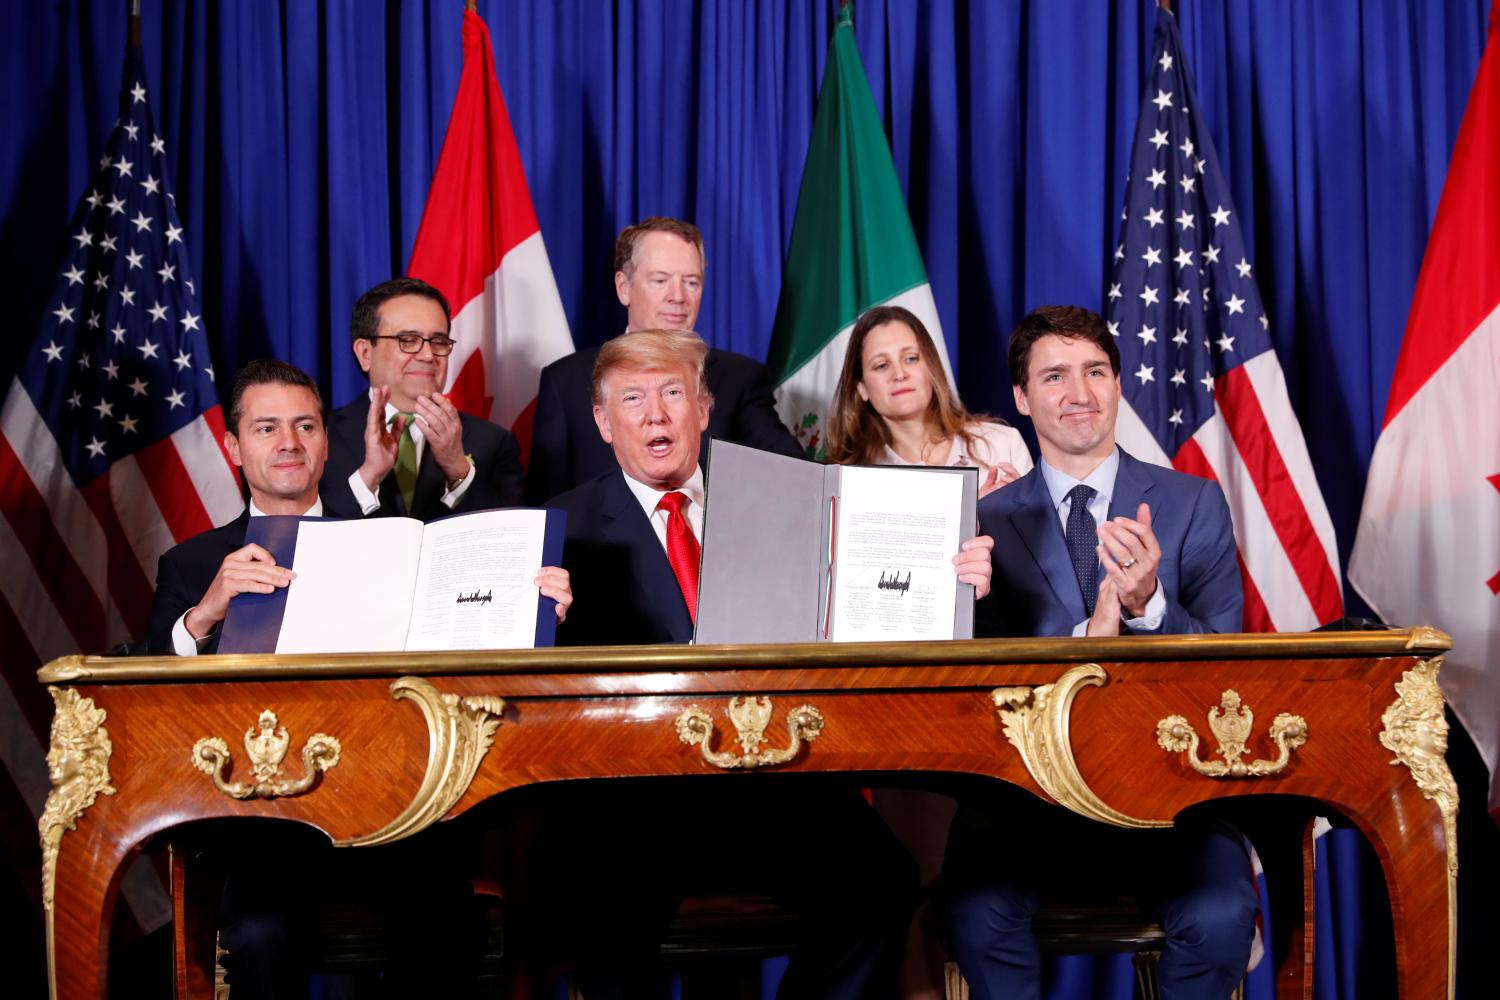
<point>1083,536</point>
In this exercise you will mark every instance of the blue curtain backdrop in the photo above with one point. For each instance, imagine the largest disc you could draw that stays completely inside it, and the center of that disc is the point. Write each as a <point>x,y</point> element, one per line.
<point>303,137</point>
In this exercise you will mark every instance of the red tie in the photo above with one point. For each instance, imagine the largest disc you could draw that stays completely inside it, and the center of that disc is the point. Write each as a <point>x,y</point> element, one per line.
<point>682,549</point>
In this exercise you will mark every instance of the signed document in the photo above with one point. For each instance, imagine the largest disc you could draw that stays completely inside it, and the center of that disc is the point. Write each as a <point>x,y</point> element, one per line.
<point>392,583</point>
<point>794,551</point>
<point>894,541</point>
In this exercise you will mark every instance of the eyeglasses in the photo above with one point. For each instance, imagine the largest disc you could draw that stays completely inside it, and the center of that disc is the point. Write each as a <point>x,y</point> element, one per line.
<point>411,343</point>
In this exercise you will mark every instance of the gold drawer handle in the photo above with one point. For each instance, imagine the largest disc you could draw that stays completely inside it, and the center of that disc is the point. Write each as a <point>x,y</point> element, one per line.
<point>1230,723</point>
<point>750,717</point>
<point>266,749</point>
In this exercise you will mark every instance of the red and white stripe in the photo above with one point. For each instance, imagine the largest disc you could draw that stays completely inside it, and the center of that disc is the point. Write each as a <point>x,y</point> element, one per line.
<point>1253,447</point>
<point>79,570</point>
<point>480,243</point>
<point>1428,547</point>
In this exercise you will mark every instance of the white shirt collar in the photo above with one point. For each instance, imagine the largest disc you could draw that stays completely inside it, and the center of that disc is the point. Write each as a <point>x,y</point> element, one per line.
<point>390,415</point>
<point>316,510</point>
<point>1102,480</point>
<point>650,496</point>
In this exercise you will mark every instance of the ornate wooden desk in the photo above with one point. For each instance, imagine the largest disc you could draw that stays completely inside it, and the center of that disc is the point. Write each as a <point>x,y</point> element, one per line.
<point>371,749</point>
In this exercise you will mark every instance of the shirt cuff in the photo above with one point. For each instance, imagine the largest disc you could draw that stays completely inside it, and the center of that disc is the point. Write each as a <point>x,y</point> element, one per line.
<point>1081,629</point>
<point>1156,610</point>
<point>452,497</point>
<point>183,643</point>
<point>368,502</point>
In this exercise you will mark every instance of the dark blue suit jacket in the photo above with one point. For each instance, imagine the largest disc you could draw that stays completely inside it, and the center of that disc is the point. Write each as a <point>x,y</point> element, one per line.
<point>497,470</point>
<point>567,451</point>
<point>1036,592</point>
<point>624,591</point>
<point>182,577</point>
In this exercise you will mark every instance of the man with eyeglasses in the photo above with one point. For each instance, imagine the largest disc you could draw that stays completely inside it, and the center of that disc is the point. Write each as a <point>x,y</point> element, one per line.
<point>405,449</point>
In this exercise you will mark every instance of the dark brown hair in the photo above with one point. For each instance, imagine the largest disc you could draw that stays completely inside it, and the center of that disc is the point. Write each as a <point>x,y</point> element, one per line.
<point>856,434</point>
<point>365,323</point>
<point>1072,322</point>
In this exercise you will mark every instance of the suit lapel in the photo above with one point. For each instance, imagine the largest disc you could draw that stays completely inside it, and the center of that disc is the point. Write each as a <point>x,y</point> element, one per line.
<point>1035,521</point>
<point>1133,487</point>
<point>655,583</point>
<point>348,431</point>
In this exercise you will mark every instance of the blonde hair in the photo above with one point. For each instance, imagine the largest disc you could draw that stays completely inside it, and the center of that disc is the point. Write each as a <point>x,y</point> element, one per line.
<point>856,434</point>
<point>653,350</point>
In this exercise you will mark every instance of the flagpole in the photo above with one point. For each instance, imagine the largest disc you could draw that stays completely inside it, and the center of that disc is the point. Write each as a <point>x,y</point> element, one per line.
<point>472,6</point>
<point>135,23</point>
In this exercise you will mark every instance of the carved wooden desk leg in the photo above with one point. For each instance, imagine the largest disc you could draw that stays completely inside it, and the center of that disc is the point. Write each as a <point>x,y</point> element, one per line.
<point>1417,876</point>
<point>1414,831</point>
<point>81,908</point>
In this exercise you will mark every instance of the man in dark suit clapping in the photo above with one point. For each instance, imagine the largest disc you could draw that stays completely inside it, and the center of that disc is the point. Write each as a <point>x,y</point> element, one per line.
<point>405,449</point>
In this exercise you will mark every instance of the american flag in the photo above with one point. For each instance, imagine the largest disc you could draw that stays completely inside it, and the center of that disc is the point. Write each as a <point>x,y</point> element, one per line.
<point>1203,389</point>
<point>110,438</point>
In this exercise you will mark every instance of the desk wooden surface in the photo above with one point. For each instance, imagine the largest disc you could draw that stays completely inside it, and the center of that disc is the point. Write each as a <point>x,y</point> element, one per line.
<point>1110,728</point>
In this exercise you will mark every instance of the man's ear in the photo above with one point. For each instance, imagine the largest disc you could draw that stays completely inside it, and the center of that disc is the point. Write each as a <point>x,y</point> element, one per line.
<point>232,446</point>
<point>622,288</point>
<point>601,421</point>
<point>362,350</point>
<point>1020,393</point>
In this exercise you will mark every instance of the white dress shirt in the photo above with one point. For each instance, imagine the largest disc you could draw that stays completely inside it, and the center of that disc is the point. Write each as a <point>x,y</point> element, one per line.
<point>1102,481</point>
<point>369,503</point>
<point>183,643</point>
<point>649,497</point>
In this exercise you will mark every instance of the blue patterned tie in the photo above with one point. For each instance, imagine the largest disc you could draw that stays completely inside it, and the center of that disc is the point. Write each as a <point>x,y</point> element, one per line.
<point>1083,535</point>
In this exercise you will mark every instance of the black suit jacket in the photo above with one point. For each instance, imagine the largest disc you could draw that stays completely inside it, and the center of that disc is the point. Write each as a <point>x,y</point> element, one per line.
<point>182,577</point>
<point>566,448</point>
<point>497,470</point>
<point>624,591</point>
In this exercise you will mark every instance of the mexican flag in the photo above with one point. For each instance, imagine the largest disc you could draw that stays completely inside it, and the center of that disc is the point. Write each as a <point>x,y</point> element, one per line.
<point>852,246</point>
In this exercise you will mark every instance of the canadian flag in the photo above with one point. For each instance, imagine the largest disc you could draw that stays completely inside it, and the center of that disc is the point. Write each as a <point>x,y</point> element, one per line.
<point>1428,548</point>
<point>480,244</point>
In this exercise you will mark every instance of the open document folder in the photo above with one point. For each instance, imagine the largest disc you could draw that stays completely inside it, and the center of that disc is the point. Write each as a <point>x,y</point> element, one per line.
<point>794,551</point>
<point>392,583</point>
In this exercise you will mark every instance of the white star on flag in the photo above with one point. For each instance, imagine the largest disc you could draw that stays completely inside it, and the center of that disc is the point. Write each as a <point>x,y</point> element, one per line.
<point>1291,566</point>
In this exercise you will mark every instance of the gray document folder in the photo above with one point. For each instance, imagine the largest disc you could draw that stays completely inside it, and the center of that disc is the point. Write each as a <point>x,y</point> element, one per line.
<point>765,573</point>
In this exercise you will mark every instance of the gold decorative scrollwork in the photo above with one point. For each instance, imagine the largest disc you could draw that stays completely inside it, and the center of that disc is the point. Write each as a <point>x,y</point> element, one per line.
<point>266,748</point>
<point>459,733</point>
<point>1036,723</point>
<point>78,766</point>
<point>750,717</point>
<point>1230,723</point>
<point>1415,730</point>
